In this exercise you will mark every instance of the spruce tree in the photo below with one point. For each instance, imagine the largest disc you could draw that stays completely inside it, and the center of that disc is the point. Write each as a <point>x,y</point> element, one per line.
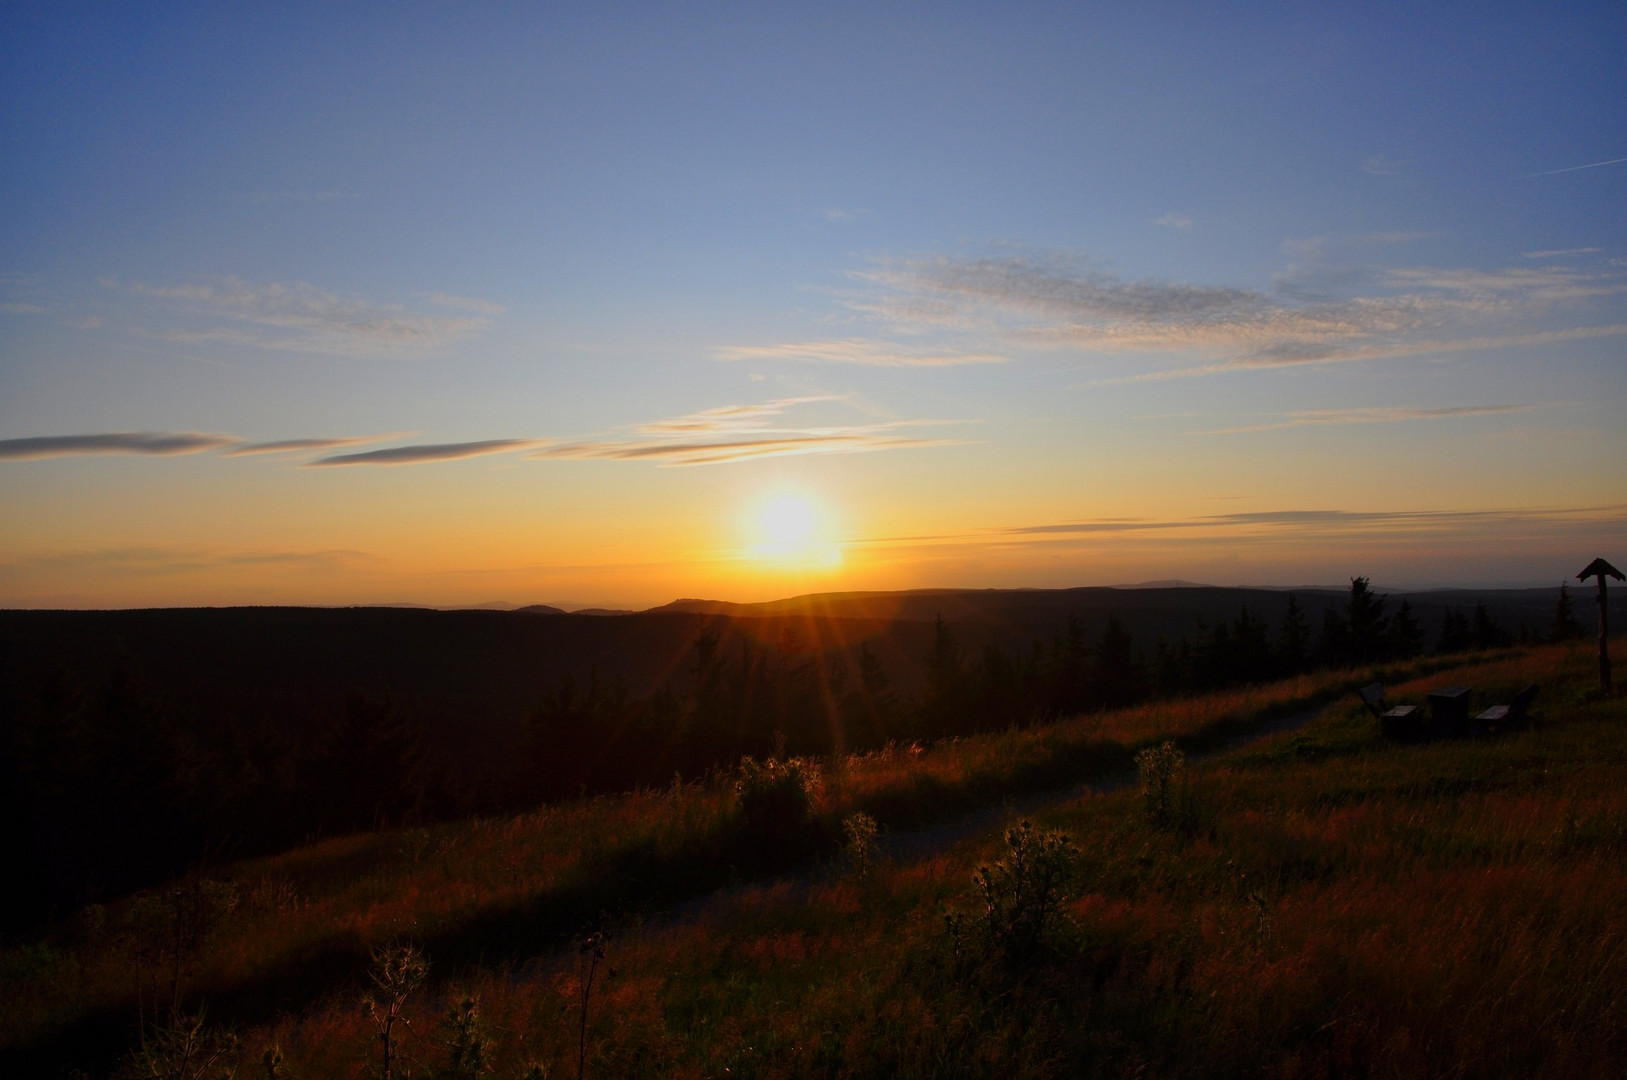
<point>1406,634</point>
<point>1365,621</point>
<point>1565,627</point>
<point>1293,638</point>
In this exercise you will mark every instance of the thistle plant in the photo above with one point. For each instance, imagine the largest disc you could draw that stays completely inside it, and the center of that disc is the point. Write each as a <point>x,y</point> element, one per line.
<point>184,1049</point>
<point>466,1042</point>
<point>1020,897</point>
<point>860,846</point>
<point>1162,769</point>
<point>398,971</point>
<point>591,950</point>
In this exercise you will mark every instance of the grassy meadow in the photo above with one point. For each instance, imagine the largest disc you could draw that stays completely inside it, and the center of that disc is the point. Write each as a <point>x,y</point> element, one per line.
<point>1318,903</point>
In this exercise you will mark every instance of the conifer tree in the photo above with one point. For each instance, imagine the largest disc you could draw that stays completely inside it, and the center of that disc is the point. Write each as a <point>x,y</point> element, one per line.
<point>1565,627</point>
<point>1406,633</point>
<point>1454,635</point>
<point>1294,637</point>
<point>1365,622</point>
<point>1486,633</point>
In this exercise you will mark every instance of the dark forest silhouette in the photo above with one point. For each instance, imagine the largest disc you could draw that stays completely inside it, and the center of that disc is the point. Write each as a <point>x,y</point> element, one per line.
<point>109,785</point>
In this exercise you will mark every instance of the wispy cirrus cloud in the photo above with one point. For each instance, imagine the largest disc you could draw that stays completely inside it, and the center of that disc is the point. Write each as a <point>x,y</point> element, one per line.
<point>1493,290</point>
<point>1054,302</point>
<point>159,443</point>
<point>729,418</point>
<point>1286,533</point>
<point>1561,253</point>
<point>1323,520</point>
<point>1172,220</point>
<point>1334,521</point>
<point>157,561</point>
<point>301,317</point>
<point>1574,168</point>
<point>731,433</point>
<point>721,452</point>
<point>427,452</point>
<point>1385,352</point>
<point>468,303</point>
<point>858,351</point>
<point>1369,415</point>
<point>843,213</point>
<point>329,195</point>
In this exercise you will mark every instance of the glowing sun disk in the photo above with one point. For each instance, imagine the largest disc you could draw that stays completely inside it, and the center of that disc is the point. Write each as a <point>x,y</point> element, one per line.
<point>791,531</point>
<point>788,520</point>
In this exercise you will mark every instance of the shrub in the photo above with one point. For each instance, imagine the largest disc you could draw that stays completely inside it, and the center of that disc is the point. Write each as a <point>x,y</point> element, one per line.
<point>776,796</point>
<point>170,930</point>
<point>1020,898</point>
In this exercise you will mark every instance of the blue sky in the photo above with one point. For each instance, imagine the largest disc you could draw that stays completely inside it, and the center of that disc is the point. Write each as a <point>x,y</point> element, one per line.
<point>950,272</point>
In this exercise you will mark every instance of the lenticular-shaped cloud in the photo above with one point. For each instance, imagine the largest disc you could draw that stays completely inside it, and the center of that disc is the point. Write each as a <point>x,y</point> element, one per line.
<point>289,446</point>
<point>417,455</point>
<point>161,443</point>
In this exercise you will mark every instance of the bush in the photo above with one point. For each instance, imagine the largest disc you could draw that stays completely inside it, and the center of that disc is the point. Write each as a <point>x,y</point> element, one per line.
<point>1020,898</point>
<point>1162,770</point>
<point>776,796</point>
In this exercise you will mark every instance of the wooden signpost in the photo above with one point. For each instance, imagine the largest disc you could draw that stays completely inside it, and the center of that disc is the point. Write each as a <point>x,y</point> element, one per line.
<point>1602,570</point>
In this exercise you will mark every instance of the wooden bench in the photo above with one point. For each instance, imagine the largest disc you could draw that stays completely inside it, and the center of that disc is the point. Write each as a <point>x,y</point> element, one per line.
<point>1510,715</point>
<point>1396,721</point>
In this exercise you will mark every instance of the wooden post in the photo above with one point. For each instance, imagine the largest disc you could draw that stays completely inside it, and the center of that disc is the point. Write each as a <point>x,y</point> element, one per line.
<point>1602,570</point>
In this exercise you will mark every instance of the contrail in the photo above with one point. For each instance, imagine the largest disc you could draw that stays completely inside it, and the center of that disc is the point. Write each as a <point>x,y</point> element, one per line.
<point>1573,168</point>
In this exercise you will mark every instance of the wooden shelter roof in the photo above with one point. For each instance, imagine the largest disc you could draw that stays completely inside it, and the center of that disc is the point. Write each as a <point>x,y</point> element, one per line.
<point>1600,567</point>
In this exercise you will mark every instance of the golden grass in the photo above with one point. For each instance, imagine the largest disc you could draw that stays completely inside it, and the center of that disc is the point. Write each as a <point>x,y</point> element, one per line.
<point>345,895</point>
<point>1445,910</point>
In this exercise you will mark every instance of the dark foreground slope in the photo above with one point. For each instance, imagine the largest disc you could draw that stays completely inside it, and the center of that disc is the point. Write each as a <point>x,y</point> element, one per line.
<point>1323,905</point>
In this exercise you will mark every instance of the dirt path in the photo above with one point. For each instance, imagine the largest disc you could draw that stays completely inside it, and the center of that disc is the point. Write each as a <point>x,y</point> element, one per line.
<point>917,844</point>
<point>920,844</point>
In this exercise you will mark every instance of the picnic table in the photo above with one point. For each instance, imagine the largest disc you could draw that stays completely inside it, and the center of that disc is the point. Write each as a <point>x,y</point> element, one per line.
<point>1449,711</point>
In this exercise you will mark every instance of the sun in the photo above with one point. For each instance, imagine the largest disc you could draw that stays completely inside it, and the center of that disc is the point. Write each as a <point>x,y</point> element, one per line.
<point>788,520</point>
<point>792,528</point>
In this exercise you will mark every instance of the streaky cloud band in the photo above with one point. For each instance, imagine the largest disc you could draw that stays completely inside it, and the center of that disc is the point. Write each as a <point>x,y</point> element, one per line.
<point>1314,519</point>
<point>721,452</point>
<point>1376,415</point>
<point>289,446</point>
<point>150,443</point>
<point>856,351</point>
<point>428,452</point>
